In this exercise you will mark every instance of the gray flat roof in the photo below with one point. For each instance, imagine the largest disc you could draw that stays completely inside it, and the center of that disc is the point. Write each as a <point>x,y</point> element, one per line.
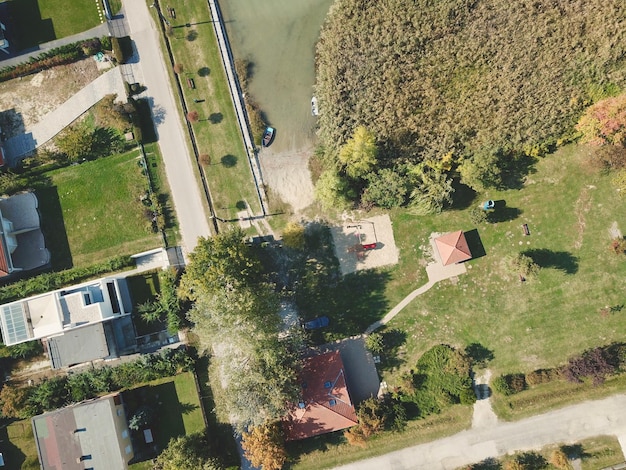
<point>79,345</point>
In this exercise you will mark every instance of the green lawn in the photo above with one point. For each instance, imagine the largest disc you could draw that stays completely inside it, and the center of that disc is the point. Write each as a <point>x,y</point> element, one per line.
<point>38,21</point>
<point>539,323</point>
<point>217,132</point>
<point>92,211</point>
<point>177,404</point>
<point>18,446</point>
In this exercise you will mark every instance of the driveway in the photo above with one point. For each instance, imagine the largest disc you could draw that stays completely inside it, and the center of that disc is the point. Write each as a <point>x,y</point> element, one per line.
<point>151,70</point>
<point>566,425</point>
<point>55,121</point>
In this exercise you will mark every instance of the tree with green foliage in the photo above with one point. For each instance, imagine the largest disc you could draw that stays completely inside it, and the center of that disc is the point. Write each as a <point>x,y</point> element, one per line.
<point>235,315</point>
<point>523,265</point>
<point>166,305</point>
<point>358,155</point>
<point>386,188</point>
<point>375,342</point>
<point>76,141</point>
<point>264,446</point>
<point>432,189</point>
<point>483,170</point>
<point>293,235</point>
<point>333,191</point>
<point>189,452</point>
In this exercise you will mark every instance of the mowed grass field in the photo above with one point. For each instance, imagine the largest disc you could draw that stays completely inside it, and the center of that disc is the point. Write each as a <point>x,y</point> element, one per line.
<point>101,210</point>
<point>217,133</point>
<point>38,21</point>
<point>570,211</point>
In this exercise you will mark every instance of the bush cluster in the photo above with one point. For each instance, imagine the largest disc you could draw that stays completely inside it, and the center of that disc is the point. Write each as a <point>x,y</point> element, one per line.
<point>61,391</point>
<point>441,379</point>
<point>55,280</point>
<point>509,384</point>
<point>58,56</point>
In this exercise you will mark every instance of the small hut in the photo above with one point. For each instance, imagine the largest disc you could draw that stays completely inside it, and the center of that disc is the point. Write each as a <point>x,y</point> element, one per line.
<point>453,248</point>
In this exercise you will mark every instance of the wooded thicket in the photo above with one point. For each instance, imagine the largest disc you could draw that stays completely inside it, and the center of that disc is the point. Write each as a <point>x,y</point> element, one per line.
<point>464,77</point>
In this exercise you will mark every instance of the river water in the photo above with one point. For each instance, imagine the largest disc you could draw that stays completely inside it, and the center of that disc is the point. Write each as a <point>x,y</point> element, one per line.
<point>278,37</point>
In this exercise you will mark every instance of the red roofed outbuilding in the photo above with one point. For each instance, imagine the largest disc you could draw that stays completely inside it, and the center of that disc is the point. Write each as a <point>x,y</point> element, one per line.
<point>453,248</point>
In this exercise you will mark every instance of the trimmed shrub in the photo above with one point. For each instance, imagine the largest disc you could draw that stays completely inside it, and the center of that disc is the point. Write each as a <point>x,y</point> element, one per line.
<point>105,42</point>
<point>509,384</point>
<point>118,55</point>
<point>541,376</point>
<point>55,280</point>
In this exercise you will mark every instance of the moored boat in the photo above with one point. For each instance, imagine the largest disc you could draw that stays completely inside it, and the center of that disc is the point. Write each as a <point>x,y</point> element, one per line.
<point>314,109</point>
<point>268,135</point>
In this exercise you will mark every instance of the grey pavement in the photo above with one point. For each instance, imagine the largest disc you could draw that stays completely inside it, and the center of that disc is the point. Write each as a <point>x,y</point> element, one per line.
<point>55,121</point>
<point>566,425</point>
<point>95,32</point>
<point>151,70</point>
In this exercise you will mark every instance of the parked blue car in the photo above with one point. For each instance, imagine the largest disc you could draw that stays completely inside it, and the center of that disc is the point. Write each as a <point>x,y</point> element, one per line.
<point>319,322</point>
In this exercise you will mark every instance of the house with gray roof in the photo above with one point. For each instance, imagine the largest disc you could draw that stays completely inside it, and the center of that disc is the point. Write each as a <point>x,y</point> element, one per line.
<point>22,245</point>
<point>88,435</point>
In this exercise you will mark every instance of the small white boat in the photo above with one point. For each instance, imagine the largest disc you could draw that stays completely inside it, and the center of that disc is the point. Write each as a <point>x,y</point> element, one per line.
<point>314,109</point>
<point>268,135</point>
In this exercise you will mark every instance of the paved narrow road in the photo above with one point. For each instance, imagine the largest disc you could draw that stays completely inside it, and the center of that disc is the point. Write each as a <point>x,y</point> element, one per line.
<point>151,71</point>
<point>568,425</point>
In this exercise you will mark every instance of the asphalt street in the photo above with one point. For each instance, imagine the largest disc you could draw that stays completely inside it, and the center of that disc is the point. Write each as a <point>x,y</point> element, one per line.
<point>151,71</point>
<point>566,425</point>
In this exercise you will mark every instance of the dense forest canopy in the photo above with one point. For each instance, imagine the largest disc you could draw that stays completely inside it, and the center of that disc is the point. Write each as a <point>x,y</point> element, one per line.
<point>434,77</point>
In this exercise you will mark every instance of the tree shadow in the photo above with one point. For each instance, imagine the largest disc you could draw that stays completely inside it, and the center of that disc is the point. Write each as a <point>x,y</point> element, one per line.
<point>53,228</point>
<point>561,260</point>
<point>322,443</point>
<point>393,340</point>
<point>475,244</point>
<point>106,142</point>
<point>463,196</point>
<point>502,213</point>
<point>215,118</point>
<point>192,35</point>
<point>241,205</point>
<point>532,460</point>
<point>515,168</point>
<point>229,161</point>
<point>574,451</point>
<point>489,463</point>
<point>12,453</point>
<point>204,72</point>
<point>479,354</point>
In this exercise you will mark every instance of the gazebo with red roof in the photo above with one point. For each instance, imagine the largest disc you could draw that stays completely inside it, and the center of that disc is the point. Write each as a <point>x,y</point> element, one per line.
<point>453,248</point>
<point>325,404</point>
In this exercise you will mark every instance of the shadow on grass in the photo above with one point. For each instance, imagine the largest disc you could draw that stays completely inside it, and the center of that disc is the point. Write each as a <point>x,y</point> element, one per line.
<point>204,71</point>
<point>145,110</point>
<point>322,443</point>
<point>221,434</point>
<point>561,260</point>
<point>216,118</point>
<point>575,451</point>
<point>12,453</point>
<point>463,196</point>
<point>27,26</point>
<point>502,213</point>
<point>393,340</point>
<point>475,244</point>
<point>229,161</point>
<point>53,228</point>
<point>487,464</point>
<point>479,354</point>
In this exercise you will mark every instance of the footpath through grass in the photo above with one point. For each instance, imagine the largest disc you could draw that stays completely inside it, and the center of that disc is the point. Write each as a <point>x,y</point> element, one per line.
<point>93,210</point>
<point>217,131</point>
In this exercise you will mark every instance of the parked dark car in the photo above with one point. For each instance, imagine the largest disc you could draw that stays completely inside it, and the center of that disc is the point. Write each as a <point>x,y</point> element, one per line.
<point>319,322</point>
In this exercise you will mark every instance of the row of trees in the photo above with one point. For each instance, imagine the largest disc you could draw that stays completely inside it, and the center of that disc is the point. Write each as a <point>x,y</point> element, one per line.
<point>25,402</point>
<point>487,86</point>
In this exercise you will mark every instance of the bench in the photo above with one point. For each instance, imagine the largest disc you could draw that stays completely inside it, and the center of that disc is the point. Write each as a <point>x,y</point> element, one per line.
<point>526,230</point>
<point>191,83</point>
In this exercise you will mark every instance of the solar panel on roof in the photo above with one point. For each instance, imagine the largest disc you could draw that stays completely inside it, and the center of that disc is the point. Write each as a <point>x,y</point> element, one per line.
<point>15,323</point>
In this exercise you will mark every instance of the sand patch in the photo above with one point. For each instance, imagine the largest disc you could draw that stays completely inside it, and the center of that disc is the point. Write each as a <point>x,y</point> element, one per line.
<point>350,238</point>
<point>288,175</point>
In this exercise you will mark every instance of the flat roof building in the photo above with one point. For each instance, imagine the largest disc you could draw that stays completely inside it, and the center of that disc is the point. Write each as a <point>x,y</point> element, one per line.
<point>63,310</point>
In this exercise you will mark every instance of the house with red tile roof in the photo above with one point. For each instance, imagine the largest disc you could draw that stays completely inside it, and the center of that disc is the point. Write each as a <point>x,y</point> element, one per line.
<point>325,404</point>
